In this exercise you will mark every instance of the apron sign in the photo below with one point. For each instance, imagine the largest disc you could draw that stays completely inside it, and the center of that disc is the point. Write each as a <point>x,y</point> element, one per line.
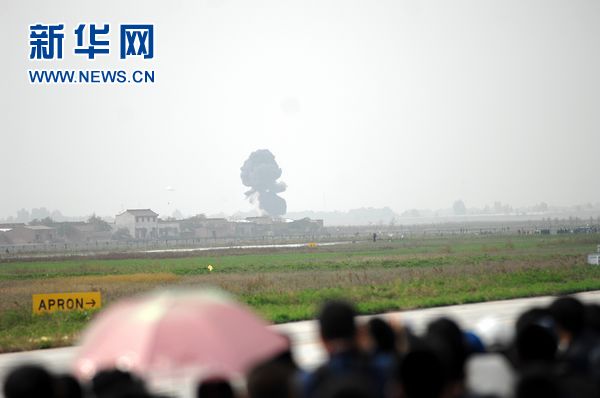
<point>45,303</point>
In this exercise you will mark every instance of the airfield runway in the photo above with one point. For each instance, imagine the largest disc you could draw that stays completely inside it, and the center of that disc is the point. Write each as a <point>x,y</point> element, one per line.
<point>305,343</point>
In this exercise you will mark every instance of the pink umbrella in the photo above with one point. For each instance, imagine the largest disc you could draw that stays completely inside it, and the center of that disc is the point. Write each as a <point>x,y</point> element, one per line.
<point>175,331</point>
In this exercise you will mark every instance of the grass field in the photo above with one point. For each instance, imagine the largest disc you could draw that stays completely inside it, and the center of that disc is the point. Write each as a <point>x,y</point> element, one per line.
<point>288,284</point>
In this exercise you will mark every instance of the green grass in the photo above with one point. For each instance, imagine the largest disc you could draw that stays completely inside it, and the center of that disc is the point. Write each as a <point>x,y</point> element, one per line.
<point>287,285</point>
<point>430,292</point>
<point>21,330</point>
<point>410,253</point>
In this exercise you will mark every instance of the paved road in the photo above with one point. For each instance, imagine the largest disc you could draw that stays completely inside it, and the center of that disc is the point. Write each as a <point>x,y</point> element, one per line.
<point>304,336</point>
<point>274,246</point>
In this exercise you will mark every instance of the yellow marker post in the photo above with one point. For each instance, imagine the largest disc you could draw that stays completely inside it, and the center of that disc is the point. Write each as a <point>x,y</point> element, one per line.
<point>53,302</point>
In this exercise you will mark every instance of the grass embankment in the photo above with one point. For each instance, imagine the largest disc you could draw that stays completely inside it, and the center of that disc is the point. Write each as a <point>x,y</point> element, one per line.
<point>286,285</point>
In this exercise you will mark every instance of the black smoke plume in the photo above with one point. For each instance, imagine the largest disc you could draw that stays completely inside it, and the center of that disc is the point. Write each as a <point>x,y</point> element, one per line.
<point>260,172</point>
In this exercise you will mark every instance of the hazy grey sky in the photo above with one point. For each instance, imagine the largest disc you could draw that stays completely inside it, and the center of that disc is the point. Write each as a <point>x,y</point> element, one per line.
<point>364,103</point>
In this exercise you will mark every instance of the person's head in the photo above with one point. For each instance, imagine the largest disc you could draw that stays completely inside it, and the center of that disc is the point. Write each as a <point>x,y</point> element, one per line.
<point>446,329</point>
<point>535,343</point>
<point>113,382</point>
<point>270,379</point>
<point>569,315</point>
<point>215,388</point>
<point>421,374</point>
<point>382,335</point>
<point>336,324</point>
<point>536,315</point>
<point>447,340</point>
<point>29,381</point>
<point>67,386</point>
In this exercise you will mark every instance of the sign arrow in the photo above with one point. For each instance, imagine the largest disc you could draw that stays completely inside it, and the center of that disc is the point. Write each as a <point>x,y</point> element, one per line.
<point>92,303</point>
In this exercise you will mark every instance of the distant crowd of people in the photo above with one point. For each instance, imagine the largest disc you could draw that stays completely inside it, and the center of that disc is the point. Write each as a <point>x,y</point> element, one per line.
<point>555,353</point>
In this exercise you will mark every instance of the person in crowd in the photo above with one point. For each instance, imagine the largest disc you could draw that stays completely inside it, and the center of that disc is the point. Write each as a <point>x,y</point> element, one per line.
<point>447,340</point>
<point>592,321</point>
<point>345,387</point>
<point>555,354</point>
<point>276,377</point>
<point>286,358</point>
<point>535,315</point>
<point>338,334</point>
<point>273,379</point>
<point>473,343</point>
<point>380,344</point>
<point>536,339</point>
<point>535,344</point>
<point>421,374</point>
<point>537,382</point>
<point>28,381</point>
<point>576,341</point>
<point>216,387</point>
<point>592,318</point>
<point>67,386</point>
<point>115,383</point>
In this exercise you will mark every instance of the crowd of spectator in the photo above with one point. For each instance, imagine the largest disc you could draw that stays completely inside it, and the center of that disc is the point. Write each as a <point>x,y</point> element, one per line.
<point>555,352</point>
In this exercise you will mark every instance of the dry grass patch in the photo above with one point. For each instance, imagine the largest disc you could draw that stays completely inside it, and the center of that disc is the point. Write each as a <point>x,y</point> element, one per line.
<point>17,294</point>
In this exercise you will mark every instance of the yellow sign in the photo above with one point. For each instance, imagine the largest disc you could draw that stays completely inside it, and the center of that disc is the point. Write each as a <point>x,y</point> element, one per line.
<point>45,303</point>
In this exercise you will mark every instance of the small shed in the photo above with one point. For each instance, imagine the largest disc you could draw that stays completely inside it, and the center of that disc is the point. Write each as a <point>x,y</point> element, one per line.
<point>593,259</point>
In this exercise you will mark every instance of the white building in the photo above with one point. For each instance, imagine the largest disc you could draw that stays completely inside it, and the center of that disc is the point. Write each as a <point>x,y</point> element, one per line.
<point>141,223</point>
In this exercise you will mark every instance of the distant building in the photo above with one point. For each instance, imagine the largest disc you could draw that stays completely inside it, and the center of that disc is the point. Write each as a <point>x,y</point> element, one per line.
<point>268,226</point>
<point>263,220</point>
<point>306,226</point>
<point>244,228</point>
<point>7,226</point>
<point>23,234</point>
<point>141,223</point>
<point>168,229</point>
<point>213,228</point>
<point>88,232</point>
<point>144,224</point>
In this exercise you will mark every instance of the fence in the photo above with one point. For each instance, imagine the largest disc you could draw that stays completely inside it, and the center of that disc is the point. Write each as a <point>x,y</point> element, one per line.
<point>333,234</point>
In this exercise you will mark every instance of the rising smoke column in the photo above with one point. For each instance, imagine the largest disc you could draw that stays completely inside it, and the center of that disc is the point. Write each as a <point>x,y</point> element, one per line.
<point>260,172</point>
